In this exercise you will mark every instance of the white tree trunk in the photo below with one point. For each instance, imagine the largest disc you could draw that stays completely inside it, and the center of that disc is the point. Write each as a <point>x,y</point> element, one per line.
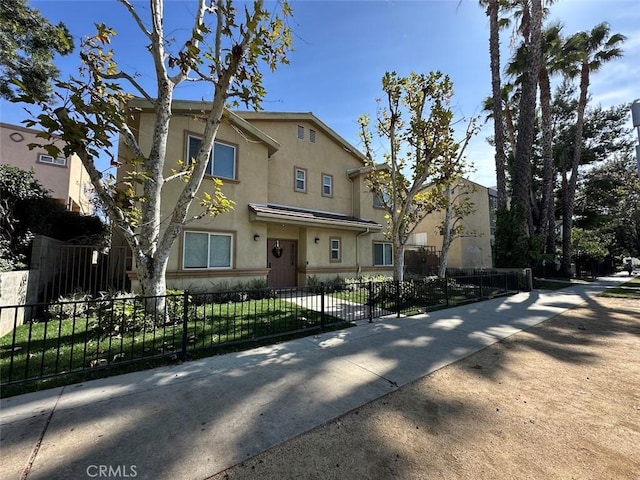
<point>398,262</point>
<point>447,236</point>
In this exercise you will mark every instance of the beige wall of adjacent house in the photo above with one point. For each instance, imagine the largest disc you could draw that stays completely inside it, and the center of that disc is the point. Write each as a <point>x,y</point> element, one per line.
<point>473,250</point>
<point>69,182</point>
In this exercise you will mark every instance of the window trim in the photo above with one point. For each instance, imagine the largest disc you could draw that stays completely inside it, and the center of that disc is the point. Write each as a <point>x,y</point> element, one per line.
<point>53,162</point>
<point>339,250</point>
<point>374,254</point>
<point>330,177</point>
<point>295,179</point>
<point>234,146</point>
<point>209,234</point>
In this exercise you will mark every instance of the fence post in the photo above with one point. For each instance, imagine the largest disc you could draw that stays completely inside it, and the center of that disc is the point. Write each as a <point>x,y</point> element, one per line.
<point>506,282</point>
<point>370,302</point>
<point>185,321</point>
<point>481,296</point>
<point>397,285</point>
<point>446,287</point>
<point>322,306</point>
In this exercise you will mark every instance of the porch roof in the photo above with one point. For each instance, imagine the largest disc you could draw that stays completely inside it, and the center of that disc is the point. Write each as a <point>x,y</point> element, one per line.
<point>300,216</point>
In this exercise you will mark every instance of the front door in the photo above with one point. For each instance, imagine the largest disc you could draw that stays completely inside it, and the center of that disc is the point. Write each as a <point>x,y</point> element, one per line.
<point>282,260</point>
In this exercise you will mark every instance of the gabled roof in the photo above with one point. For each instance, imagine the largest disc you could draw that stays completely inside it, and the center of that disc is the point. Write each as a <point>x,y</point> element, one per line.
<point>193,107</point>
<point>304,116</point>
<point>299,216</point>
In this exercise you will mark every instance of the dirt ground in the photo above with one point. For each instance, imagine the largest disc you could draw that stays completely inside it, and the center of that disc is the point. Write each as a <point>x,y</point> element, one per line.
<point>560,401</point>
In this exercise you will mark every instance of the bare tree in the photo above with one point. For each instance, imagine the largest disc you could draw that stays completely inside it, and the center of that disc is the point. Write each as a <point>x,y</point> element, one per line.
<point>226,49</point>
<point>416,123</point>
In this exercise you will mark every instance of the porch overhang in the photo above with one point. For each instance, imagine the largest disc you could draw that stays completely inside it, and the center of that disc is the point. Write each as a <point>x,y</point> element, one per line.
<point>283,214</point>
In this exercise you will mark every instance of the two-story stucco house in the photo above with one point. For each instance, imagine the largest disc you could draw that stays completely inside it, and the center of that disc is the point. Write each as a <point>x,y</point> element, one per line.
<point>302,208</point>
<point>65,177</point>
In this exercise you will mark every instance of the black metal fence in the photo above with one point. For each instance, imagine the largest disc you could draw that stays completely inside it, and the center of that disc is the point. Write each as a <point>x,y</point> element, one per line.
<point>90,334</point>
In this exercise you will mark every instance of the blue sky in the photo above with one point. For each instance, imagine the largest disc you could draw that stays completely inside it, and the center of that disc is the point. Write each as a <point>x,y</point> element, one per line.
<point>342,49</point>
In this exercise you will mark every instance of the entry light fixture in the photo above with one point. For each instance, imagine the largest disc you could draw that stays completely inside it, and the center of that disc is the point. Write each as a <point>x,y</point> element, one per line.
<point>316,240</point>
<point>256,237</point>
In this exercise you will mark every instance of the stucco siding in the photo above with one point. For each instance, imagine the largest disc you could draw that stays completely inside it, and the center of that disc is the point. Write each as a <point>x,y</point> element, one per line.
<point>473,249</point>
<point>65,182</point>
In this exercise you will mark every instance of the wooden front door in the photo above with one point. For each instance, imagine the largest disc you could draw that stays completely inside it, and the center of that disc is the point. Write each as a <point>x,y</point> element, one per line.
<point>282,258</point>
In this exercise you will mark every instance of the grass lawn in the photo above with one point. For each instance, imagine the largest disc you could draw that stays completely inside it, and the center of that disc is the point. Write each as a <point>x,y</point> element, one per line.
<point>630,289</point>
<point>546,284</point>
<point>91,342</point>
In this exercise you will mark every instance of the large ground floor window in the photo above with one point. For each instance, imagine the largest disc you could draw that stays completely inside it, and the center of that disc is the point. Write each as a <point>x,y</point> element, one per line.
<point>207,250</point>
<point>382,254</point>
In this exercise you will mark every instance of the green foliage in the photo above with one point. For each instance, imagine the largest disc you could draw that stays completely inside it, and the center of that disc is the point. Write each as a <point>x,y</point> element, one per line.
<point>512,249</point>
<point>28,43</point>
<point>315,284</point>
<point>588,245</point>
<point>224,292</point>
<point>226,45</point>
<point>422,157</point>
<point>18,189</point>
<point>26,209</point>
<point>608,205</point>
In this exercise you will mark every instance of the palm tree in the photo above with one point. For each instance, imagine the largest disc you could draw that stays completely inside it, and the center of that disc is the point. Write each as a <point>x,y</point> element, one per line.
<point>552,60</point>
<point>586,52</point>
<point>527,115</point>
<point>492,10</point>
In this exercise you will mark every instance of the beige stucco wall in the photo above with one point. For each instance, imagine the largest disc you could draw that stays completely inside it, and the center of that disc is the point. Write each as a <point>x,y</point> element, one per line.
<point>249,257</point>
<point>263,179</point>
<point>350,196</point>
<point>473,250</point>
<point>13,292</point>
<point>70,181</point>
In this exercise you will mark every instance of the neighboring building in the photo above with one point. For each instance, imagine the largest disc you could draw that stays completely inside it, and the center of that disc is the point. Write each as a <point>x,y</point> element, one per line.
<point>302,208</point>
<point>474,248</point>
<point>66,178</point>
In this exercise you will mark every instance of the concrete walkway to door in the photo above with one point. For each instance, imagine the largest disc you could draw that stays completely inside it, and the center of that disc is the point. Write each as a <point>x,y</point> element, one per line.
<point>337,307</point>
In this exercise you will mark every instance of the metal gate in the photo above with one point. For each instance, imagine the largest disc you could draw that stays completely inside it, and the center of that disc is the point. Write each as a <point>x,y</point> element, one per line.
<point>59,269</point>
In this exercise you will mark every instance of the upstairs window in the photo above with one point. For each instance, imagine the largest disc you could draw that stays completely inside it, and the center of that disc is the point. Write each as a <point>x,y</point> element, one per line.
<point>300,132</point>
<point>378,199</point>
<point>327,185</point>
<point>300,180</point>
<point>222,163</point>
<point>42,158</point>
<point>312,136</point>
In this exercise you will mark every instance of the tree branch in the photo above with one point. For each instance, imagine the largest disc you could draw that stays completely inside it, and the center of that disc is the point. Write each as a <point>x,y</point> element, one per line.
<point>136,17</point>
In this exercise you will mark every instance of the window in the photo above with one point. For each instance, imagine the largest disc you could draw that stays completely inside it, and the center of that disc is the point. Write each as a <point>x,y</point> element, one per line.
<point>335,250</point>
<point>301,180</point>
<point>300,132</point>
<point>382,254</point>
<point>327,185</point>
<point>207,250</point>
<point>378,199</point>
<point>222,163</point>
<point>42,158</point>
<point>312,136</point>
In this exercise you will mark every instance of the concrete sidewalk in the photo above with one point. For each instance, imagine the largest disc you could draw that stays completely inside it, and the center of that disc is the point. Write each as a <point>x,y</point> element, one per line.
<point>199,418</point>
